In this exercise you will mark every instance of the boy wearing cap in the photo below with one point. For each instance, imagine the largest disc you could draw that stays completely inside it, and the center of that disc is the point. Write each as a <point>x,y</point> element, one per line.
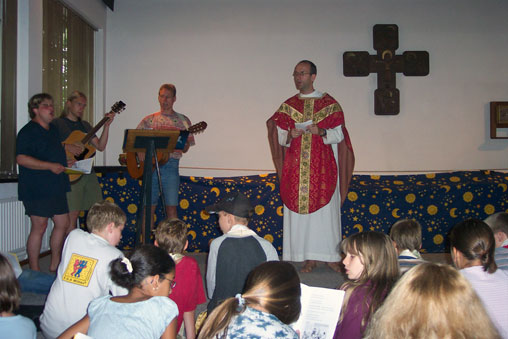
<point>233,255</point>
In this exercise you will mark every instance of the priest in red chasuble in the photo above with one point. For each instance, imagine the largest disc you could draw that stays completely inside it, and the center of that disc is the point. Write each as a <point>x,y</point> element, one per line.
<point>314,159</point>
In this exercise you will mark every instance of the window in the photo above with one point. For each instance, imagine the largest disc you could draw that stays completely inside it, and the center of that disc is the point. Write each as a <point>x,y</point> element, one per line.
<point>68,56</point>
<point>9,19</point>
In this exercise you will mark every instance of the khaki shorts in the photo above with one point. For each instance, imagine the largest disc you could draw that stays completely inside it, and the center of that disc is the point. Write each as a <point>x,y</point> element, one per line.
<point>85,192</point>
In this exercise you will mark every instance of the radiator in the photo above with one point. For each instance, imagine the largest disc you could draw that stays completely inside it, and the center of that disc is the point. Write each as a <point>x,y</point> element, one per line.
<point>15,227</point>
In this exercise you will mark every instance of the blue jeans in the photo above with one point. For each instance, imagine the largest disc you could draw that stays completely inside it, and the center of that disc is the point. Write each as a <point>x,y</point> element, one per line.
<point>170,178</point>
<point>35,281</point>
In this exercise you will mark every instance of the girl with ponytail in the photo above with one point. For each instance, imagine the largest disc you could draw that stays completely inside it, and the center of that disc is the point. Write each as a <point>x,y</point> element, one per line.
<point>269,303</point>
<point>472,245</point>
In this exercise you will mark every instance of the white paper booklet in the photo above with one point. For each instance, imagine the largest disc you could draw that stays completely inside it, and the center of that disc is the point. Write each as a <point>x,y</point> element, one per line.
<point>80,335</point>
<point>81,167</point>
<point>303,125</point>
<point>320,312</point>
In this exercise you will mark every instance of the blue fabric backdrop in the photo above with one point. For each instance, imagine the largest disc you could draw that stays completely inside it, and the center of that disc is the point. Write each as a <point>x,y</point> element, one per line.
<point>437,201</point>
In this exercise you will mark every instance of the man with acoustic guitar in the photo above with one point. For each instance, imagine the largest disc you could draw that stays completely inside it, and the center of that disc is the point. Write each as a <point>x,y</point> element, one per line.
<point>85,191</point>
<point>167,119</point>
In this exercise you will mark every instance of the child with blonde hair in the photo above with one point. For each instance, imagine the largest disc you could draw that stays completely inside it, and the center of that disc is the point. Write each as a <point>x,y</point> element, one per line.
<point>498,222</point>
<point>372,269</point>
<point>432,301</point>
<point>83,273</point>
<point>171,236</point>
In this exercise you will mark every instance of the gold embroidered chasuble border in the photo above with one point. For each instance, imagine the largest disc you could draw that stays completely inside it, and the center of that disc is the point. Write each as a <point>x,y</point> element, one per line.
<point>306,144</point>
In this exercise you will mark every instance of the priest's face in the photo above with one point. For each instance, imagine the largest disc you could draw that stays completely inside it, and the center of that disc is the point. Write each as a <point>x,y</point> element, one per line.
<point>303,79</point>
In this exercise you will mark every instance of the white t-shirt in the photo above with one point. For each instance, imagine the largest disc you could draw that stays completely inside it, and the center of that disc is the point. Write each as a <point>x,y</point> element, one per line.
<point>492,288</point>
<point>83,275</point>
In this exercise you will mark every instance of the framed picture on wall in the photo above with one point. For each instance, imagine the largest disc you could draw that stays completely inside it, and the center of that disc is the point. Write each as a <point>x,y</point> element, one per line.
<point>498,118</point>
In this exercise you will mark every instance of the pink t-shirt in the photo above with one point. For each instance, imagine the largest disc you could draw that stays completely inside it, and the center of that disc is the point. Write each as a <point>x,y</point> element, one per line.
<point>171,122</point>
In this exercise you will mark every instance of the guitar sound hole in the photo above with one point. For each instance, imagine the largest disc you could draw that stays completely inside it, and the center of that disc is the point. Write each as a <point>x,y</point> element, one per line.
<point>82,155</point>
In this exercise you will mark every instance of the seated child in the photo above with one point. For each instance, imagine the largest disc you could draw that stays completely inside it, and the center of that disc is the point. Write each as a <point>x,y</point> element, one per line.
<point>171,236</point>
<point>29,280</point>
<point>431,301</point>
<point>146,312</point>
<point>371,269</point>
<point>233,255</point>
<point>12,325</point>
<point>406,235</point>
<point>498,222</point>
<point>472,245</point>
<point>270,302</point>
<point>83,273</point>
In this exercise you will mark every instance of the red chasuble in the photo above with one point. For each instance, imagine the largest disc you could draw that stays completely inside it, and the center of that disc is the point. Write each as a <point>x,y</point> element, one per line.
<point>309,173</point>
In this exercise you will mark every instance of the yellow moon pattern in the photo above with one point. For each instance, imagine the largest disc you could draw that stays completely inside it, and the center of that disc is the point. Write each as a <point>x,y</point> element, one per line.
<point>373,202</point>
<point>216,191</point>
<point>358,227</point>
<point>271,185</point>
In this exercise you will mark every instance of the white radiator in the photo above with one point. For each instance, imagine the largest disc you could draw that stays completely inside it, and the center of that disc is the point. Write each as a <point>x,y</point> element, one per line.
<point>15,227</point>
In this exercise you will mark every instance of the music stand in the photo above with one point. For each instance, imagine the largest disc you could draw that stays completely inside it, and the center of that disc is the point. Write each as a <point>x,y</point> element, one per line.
<point>148,141</point>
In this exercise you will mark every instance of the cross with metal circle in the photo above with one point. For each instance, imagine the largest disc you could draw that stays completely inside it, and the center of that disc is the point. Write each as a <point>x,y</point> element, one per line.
<point>386,64</point>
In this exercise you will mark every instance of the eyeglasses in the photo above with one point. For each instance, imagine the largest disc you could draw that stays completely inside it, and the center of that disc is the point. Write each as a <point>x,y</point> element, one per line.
<point>172,283</point>
<point>300,74</point>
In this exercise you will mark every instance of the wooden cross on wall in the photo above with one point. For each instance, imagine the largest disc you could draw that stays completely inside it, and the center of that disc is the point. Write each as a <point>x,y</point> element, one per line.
<point>386,64</point>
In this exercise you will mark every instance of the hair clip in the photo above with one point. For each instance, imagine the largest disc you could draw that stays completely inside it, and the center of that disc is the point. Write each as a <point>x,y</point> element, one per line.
<point>127,264</point>
<point>241,300</point>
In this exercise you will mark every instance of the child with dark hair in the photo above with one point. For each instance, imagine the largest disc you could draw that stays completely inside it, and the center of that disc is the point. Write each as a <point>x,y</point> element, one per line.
<point>406,235</point>
<point>12,325</point>
<point>472,244</point>
<point>269,303</point>
<point>372,269</point>
<point>171,236</point>
<point>146,311</point>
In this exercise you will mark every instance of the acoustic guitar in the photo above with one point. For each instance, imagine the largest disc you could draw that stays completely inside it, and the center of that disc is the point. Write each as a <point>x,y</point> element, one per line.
<point>80,138</point>
<point>136,166</point>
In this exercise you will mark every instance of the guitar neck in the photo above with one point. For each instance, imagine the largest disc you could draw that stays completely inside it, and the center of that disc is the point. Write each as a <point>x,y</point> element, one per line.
<point>92,132</point>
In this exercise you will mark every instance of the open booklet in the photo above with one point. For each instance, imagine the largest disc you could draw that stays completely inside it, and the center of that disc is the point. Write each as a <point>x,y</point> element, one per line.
<point>320,312</point>
<point>80,167</point>
<point>303,125</point>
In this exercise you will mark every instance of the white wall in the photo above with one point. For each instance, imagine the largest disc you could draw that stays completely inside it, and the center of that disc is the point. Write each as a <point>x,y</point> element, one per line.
<point>232,61</point>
